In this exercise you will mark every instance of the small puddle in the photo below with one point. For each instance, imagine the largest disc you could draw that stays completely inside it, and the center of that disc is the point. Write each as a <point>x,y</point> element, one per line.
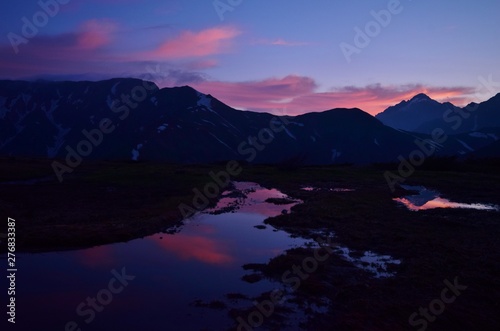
<point>249,197</point>
<point>371,262</point>
<point>311,189</point>
<point>430,199</point>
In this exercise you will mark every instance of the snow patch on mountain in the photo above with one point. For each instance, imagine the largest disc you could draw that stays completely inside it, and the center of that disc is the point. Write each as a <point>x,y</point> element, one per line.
<point>465,145</point>
<point>135,152</point>
<point>109,101</point>
<point>26,98</point>
<point>113,89</point>
<point>208,122</point>
<point>14,101</point>
<point>205,102</point>
<point>162,127</point>
<point>289,133</point>
<point>61,132</point>
<point>494,136</point>
<point>335,154</point>
<point>58,141</point>
<point>223,143</point>
<point>54,104</point>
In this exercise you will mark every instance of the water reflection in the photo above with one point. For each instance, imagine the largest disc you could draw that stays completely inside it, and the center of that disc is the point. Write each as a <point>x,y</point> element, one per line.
<point>172,271</point>
<point>101,256</point>
<point>336,189</point>
<point>247,197</point>
<point>430,199</point>
<point>196,247</point>
<point>371,262</point>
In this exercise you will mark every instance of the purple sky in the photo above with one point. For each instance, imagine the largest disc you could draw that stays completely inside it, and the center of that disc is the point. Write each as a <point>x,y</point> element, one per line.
<point>279,56</point>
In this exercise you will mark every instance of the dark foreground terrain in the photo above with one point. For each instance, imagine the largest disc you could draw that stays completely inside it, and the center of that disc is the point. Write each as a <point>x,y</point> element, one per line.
<point>105,202</point>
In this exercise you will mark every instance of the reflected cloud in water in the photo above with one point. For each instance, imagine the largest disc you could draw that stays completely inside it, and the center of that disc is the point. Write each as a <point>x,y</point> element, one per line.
<point>429,199</point>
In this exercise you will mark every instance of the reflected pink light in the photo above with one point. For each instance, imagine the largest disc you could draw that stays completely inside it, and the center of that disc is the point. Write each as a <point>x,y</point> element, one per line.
<point>254,200</point>
<point>189,247</point>
<point>99,256</point>
<point>443,203</point>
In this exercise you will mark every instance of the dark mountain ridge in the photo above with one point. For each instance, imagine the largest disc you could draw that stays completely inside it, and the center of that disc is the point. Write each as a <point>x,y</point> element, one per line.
<point>134,119</point>
<point>422,114</point>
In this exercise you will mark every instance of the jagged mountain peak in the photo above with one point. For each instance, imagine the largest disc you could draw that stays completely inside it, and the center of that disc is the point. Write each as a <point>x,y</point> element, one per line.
<point>183,125</point>
<point>421,97</point>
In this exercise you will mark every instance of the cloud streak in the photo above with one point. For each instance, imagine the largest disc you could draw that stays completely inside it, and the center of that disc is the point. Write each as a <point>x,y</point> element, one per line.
<point>295,95</point>
<point>55,54</point>
<point>95,34</point>
<point>282,42</point>
<point>90,49</point>
<point>195,44</point>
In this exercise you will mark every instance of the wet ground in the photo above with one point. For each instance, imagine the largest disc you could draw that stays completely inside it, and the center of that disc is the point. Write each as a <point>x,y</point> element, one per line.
<point>368,261</point>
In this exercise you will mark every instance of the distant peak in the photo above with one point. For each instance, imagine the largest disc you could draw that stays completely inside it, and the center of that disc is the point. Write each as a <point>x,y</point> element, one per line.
<point>421,97</point>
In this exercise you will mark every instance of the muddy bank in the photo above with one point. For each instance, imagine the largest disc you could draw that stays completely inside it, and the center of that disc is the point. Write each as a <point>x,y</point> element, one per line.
<point>433,247</point>
<point>99,203</point>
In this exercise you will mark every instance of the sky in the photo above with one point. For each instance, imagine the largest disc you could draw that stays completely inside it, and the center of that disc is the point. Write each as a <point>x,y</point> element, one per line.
<point>278,56</point>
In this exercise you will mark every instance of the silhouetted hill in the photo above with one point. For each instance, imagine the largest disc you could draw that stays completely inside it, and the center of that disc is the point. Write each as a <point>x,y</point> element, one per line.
<point>133,119</point>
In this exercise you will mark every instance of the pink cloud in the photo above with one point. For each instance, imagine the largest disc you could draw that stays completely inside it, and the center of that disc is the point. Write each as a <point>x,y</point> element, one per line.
<point>294,95</point>
<point>85,49</point>
<point>259,95</point>
<point>95,33</point>
<point>376,98</point>
<point>200,65</point>
<point>282,42</point>
<point>196,44</point>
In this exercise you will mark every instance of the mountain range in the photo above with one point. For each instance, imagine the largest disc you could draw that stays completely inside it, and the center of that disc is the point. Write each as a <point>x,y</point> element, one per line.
<point>132,119</point>
<point>423,114</point>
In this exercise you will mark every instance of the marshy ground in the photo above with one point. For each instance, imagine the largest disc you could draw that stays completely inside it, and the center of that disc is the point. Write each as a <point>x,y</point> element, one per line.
<point>106,202</point>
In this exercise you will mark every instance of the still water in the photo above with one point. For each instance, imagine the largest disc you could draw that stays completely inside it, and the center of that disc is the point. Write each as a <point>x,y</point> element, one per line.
<point>158,279</point>
<point>430,199</point>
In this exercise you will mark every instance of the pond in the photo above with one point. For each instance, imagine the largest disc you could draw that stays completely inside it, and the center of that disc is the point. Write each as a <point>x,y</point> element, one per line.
<point>184,278</point>
<point>168,276</point>
<point>430,199</point>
